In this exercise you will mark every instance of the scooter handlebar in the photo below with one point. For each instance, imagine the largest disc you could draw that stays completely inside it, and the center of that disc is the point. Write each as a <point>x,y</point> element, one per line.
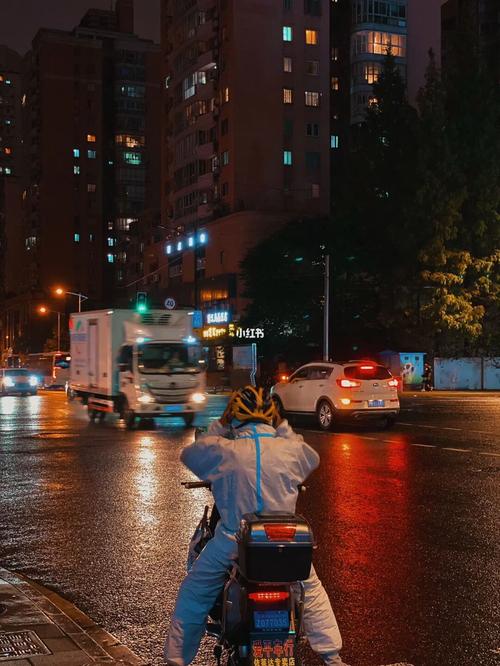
<point>191,485</point>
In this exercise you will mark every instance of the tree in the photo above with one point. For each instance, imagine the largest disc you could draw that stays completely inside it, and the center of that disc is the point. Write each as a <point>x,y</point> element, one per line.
<point>283,278</point>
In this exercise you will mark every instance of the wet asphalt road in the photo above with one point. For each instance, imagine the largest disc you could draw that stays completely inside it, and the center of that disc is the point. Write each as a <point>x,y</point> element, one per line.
<point>406,522</point>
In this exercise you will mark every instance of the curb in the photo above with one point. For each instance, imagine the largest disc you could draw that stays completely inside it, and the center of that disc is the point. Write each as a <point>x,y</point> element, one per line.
<point>91,638</point>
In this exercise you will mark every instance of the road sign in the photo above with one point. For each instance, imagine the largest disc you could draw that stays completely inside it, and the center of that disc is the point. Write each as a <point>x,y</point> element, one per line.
<point>170,303</point>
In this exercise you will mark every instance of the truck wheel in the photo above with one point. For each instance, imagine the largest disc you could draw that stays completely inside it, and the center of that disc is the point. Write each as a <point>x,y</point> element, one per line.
<point>92,414</point>
<point>128,415</point>
<point>188,419</point>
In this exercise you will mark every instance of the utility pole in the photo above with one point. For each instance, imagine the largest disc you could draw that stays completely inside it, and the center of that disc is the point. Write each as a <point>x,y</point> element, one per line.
<point>326,311</point>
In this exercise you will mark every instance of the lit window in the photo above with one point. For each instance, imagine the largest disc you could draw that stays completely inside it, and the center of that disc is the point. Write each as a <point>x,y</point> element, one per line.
<point>190,241</point>
<point>334,141</point>
<point>311,37</point>
<point>379,43</point>
<point>168,249</point>
<point>179,246</point>
<point>76,238</point>
<point>312,67</point>
<point>225,158</point>
<point>312,98</point>
<point>111,242</point>
<point>335,53</point>
<point>287,96</point>
<point>91,154</point>
<point>8,171</point>
<point>287,157</point>
<point>225,95</point>
<point>91,187</point>
<point>76,170</point>
<point>76,152</point>
<point>111,258</point>
<point>203,237</point>
<point>287,64</point>
<point>315,191</point>
<point>91,138</point>
<point>91,238</point>
<point>287,33</point>
<point>335,83</point>
<point>8,82</point>
<point>8,151</point>
<point>132,158</point>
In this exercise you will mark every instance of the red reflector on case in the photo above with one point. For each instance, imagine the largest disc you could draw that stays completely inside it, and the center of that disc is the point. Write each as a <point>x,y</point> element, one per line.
<point>348,383</point>
<point>280,532</point>
<point>367,367</point>
<point>268,597</point>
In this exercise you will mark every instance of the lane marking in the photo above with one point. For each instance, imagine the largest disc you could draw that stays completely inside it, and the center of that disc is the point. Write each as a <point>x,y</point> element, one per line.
<point>425,446</point>
<point>419,425</point>
<point>448,448</point>
<point>484,453</point>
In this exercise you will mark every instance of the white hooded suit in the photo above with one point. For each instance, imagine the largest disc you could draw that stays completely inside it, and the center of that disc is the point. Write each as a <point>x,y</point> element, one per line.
<point>258,470</point>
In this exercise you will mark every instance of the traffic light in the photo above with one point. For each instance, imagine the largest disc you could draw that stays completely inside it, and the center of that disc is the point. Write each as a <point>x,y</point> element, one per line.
<point>141,302</point>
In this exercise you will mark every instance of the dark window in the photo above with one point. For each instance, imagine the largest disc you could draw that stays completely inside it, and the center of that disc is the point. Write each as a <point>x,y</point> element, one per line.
<point>288,128</point>
<point>312,161</point>
<point>319,372</point>
<point>367,371</point>
<point>312,129</point>
<point>224,128</point>
<point>300,374</point>
<point>287,4</point>
<point>312,7</point>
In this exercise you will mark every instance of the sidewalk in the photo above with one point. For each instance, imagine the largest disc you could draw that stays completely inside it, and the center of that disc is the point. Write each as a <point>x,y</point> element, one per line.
<point>39,628</point>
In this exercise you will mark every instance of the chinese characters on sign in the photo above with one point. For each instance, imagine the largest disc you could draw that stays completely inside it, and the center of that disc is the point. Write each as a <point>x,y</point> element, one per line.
<point>273,653</point>
<point>220,358</point>
<point>245,333</point>
<point>211,332</point>
<point>221,317</point>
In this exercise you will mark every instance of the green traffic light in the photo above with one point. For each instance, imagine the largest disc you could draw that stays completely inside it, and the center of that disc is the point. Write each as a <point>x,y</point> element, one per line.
<point>142,308</point>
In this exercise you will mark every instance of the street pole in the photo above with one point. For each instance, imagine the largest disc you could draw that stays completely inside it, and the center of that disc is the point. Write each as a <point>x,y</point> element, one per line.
<point>58,331</point>
<point>326,311</point>
<point>79,302</point>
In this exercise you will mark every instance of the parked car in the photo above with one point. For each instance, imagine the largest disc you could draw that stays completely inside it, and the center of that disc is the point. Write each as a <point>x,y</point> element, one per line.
<point>335,392</point>
<point>18,381</point>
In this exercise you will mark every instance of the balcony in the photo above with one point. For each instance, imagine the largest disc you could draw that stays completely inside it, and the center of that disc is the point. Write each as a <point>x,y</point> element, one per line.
<point>205,151</point>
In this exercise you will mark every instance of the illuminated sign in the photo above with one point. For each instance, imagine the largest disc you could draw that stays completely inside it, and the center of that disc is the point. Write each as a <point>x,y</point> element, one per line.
<point>275,652</point>
<point>212,332</point>
<point>221,317</point>
<point>245,333</point>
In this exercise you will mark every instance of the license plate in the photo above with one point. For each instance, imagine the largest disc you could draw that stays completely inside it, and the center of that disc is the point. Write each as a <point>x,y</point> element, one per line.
<point>277,620</point>
<point>271,649</point>
<point>376,403</point>
<point>173,409</point>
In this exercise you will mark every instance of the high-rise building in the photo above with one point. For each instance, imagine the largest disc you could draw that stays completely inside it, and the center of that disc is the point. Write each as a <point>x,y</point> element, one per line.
<point>480,18</point>
<point>246,135</point>
<point>92,102</point>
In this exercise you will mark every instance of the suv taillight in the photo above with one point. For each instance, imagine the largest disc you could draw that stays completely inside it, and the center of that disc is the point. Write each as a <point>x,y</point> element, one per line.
<point>348,383</point>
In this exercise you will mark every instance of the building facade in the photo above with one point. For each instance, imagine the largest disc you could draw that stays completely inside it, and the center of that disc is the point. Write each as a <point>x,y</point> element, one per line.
<point>91,104</point>
<point>247,135</point>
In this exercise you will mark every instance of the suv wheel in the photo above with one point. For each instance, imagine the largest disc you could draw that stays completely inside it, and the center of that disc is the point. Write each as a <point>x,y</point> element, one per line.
<point>325,415</point>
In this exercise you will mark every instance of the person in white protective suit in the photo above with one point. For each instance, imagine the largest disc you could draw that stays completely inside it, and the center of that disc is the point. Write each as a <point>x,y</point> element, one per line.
<point>253,467</point>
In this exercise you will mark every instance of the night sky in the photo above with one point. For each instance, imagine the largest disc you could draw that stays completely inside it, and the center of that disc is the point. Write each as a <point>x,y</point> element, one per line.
<point>20,19</point>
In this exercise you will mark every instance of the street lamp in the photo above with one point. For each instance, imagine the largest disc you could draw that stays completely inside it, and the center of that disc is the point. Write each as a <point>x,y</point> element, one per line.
<point>43,310</point>
<point>59,291</point>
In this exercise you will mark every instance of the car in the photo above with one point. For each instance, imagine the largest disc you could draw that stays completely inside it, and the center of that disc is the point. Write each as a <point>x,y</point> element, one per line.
<point>18,381</point>
<point>337,392</point>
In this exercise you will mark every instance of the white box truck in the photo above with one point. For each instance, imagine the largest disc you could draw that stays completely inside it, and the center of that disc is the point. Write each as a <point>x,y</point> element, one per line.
<point>138,365</point>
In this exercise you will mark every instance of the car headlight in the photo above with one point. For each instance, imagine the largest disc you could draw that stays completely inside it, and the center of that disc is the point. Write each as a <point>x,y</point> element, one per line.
<point>145,399</point>
<point>198,398</point>
<point>8,382</point>
<point>33,381</point>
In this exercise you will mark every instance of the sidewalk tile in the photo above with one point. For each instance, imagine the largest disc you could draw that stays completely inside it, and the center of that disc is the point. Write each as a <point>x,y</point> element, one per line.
<point>74,658</point>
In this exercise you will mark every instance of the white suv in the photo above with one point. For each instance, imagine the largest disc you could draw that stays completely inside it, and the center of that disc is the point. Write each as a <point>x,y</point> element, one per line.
<point>356,390</point>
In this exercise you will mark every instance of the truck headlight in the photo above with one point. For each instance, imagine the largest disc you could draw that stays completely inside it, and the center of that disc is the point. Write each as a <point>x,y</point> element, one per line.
<point>198,398</point>
<point>33,381</point>
<point>8,382</point>
<point>145,399</point>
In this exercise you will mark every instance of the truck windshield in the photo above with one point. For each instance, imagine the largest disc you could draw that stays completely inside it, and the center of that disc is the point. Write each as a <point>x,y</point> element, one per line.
<point>166,358</point>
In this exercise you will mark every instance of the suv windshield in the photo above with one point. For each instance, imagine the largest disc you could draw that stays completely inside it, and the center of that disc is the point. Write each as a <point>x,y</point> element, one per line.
<point>166,358</point>
<point>17,373</point>
<point>367,371</point>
